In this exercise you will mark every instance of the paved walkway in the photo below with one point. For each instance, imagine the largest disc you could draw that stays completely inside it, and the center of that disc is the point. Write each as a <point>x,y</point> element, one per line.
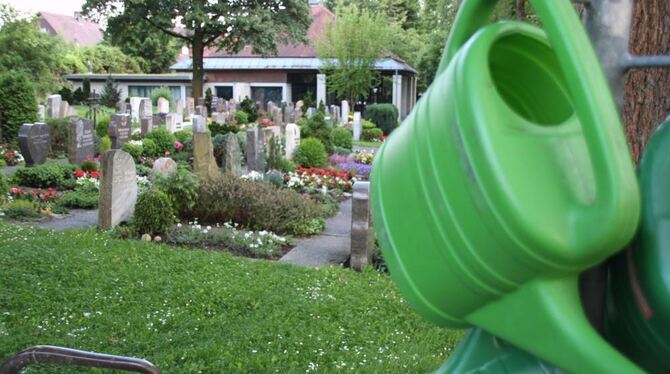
<point>78,218</point>
<point>333,247</point>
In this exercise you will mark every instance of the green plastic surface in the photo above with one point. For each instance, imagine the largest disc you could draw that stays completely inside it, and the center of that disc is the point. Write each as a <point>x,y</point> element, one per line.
<point>510,177</point>
<point>638,320</point>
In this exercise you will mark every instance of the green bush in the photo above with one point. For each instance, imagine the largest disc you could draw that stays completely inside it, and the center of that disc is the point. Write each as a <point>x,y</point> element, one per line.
<point>310,153</point>
<point>135,150</point>
<point>66,94</point>
<point>163,92</point>
<point>89,165</point>
<point>216,128</point>
<point>55,175</point>
<point>274,154</point>
<point>78,96</point>
<point>153,212</point>
<point>342,138</point>
<point>17,104</point>
<point>242,140</point>
<point>183,135</point>
<point>181,186</point>
<point>102,127</point>
<point>208,99</point>
<point>105,144</point>
<point>368,125</point>
<point>218,144</point>
<point>149,148</point>
<point>80,200</point>
<point>21,210</point>
<point>385,116</point>
<point>317,127</point>
<point>370,135</point>
<point>59,134</point>
<point>163,139</point>
<point>256,205</point>
<point>241,117</point>
<point>249,107</point>
<point>4,187</point>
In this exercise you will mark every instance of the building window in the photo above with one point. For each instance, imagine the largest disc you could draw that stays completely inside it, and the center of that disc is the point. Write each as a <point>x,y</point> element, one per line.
<point>145,91</point>
<point>265,94</point>
<point>224,92</point>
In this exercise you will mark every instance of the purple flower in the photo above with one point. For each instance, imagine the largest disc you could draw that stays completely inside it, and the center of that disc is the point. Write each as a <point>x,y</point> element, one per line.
<point>361,169</point>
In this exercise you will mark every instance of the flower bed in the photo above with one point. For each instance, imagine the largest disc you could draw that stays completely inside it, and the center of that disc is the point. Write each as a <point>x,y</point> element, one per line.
<point>320,179</point>
<point>9,156</point>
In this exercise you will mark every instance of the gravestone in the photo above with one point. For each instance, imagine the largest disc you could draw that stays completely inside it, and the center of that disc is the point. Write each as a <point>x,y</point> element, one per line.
<point>146,108</point>
<point>221,106</point>
<point>35,142</point>
<point>190,106</point>
<point>204,163</point>
<point>201,110</point>
<point>179,107</point>
<point>147,125</point>
<point>277,116</point>
<point>298,109</point>
<point>311,112</point>
<point>335,110</point>
<point>53,106</point>
<point>64,109</point>
<point>260,107</point>
<point>163,105</point>
<point>121,107</point>
<point>232,106</point>
<point>118,189</point>
<point>135,108</point>
<point>199,124</point>
<point>271,131</point>
<point>231,159</point>
<point>174,122</point>
<point>345,111</point>
<point>271,107</point>
<point>292,139</point>
<point>119,130</point>
<point>289,113</point>
<point>158,120</point>
<point>41,112</point>
<point>80,140</point>
<point>256,150</point>
<point>220,117</point>
<point>165,166</point>
<point>200,101</point>
<point>358,127</point>
<point>362,237</point>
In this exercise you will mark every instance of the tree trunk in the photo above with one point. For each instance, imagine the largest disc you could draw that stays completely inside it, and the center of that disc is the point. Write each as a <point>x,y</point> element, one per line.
<point>198,68</point>
<point>647,97</point>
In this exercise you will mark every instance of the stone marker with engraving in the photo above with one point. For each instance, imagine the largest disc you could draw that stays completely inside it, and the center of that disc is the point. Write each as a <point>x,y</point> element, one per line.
<point>204,163</point>
<point>53,106</point>
<point>163,105</point>
<point>35,142</point>
<point>80,140</point>
<point>119,130</point>
<point>256,150</point>
<point>232,156</point>
<point>165,166</point>
<point>158,120</point>
<point>146,108</point>
<point>174,122</point>
<point>118,189</point>
<point>362,237</point>
<point>292,139</point>
<point>146,125</point>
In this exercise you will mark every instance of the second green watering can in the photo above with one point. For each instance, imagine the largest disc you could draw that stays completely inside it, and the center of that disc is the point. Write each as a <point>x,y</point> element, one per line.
<point>510,177</point>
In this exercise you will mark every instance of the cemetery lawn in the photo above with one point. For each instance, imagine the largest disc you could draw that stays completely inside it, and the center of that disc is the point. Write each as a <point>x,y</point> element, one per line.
<point>200,311</point>
<point>367,144</point>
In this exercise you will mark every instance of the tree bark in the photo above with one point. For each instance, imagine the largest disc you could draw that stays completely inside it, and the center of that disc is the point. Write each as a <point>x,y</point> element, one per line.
<point>198,68</point>
<point>647,97</point>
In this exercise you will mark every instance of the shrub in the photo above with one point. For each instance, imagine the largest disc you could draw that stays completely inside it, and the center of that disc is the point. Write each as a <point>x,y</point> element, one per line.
<point>4,187</point>
<point>310,153</point>
<point>135,150</point>
<point>218,143</point>
<point>17,104</point>
<point>78,96</point>
<point>216,128</point>
<point>21,210</point>
<point>80,200</point>
<point>163,92</point>
<point>242,140</point>
<point>163,139</point>
<point>249,107</point>
<point>58,134</point>
<point>110,93</point>
<point>241,117</point>
<point>89,165</point>
<point>153,212</point>
<point>385,116</point>
<point>105,144</point>
<point>368,125</point>
<point>102,127</point>
<point>149,148</point>
<point>181,187</point>
<point>55,175</point>
<point>208,99</point>
<point>274,154</point>
<point>342,138</point>
<point>316,127</point>
<point>183,135</point>
<point>256,205</point>
<point>66,94</point>
<point>370,135</point>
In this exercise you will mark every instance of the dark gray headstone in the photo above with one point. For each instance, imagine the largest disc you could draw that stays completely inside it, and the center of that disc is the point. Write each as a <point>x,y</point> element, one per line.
<point>35,142</point>
<point>80,140</point>
<point>362,238</point>
<point>159,120</point>
<point>119,130</point>
<point>147,125</point>
<point>256,150</point>
<point>118,189</point>
<point>231,159</point>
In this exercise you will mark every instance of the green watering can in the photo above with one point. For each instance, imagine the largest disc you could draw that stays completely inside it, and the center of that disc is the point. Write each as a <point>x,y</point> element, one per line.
<point>510,177</point>
<point>638,318</point>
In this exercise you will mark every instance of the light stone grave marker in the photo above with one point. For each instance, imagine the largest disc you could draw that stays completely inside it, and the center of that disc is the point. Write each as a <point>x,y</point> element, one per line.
<point>118,189</point>
<point>292,139</point>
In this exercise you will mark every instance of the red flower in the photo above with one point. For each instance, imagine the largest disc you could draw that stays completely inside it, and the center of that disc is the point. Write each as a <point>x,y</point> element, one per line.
<point>79,173</point>
<point>94,174</point>
<point>167,153</point>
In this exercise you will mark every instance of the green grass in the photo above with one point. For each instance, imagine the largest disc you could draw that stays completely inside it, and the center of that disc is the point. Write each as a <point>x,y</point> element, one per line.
<point>367,144</point>
<point>83,109</point>
<point>198,311</point>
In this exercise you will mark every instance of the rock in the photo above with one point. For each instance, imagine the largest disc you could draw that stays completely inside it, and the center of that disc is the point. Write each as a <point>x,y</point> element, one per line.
<point>165,166</point>
<point>146,238</point>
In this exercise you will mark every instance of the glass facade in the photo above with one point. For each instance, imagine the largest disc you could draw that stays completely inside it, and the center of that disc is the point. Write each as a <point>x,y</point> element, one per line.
<point>145,91</point>
<point>224,92</point>
<point>265,94</point>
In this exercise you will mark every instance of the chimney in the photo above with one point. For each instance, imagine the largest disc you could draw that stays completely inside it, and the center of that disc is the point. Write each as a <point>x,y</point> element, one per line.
<point>77,16</point>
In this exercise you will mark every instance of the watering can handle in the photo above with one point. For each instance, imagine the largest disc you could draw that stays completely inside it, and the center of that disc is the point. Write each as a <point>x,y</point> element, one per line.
<point>585,80</point>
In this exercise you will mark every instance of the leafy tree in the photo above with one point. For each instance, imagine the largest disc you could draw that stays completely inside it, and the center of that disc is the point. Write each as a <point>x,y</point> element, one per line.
<point>17,104</point>
<point>153,49</point>
<point>208,99</point>
<point>106,59</point>
<point>110,93</point>
<point>349,49</point>
<point>228,25</point>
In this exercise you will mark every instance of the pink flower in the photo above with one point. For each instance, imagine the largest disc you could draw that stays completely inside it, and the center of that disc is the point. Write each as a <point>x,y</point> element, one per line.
<point>178,145</point>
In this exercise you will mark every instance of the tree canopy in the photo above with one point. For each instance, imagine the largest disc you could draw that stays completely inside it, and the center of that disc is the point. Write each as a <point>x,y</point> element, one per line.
<point>228,25</point>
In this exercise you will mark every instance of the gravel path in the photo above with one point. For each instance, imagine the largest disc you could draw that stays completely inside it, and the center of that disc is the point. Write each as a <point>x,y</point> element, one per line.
<point>78,218</point>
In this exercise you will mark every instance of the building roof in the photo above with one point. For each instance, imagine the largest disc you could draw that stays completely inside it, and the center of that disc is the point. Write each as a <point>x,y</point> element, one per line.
<point>281,63</point>
<point>131,77</point>
<point>320,18</point>
<point>74,29</point>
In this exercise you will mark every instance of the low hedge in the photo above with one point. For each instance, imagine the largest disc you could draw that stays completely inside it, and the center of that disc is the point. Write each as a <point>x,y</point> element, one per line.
<point>56,175</point>
<point>80,200</point>
<point>385,116</point>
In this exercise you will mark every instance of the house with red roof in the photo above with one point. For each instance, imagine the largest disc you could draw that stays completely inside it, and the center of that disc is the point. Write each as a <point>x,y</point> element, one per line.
<point>74,29</point>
